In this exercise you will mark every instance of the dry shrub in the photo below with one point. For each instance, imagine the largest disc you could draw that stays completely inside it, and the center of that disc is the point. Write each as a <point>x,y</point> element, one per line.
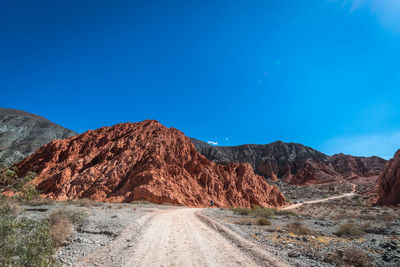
<point>349,229</point>
<point>365,226</point>
<point>350,256</point>
<point>138,202</point>
<point>60,228</point>
<point>245,221</point>
<point>40,202</point>
<point>264,212</point>
<point>10,206</point>
<point>262,221</point>
<point>298,228</point>
<point>242,211</point>
<point>75,216</point>
<point>84,202</point>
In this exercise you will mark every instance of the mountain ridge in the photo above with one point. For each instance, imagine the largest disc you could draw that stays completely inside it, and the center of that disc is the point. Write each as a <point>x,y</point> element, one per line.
<point>293,162</point>
<point>22,133</point>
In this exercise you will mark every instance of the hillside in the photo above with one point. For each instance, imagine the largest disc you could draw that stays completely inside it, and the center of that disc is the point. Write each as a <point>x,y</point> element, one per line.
<point>22,133</point>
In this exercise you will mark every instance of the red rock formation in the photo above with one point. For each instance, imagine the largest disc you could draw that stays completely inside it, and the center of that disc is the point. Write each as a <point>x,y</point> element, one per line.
<point>389,182</point>
<point>143,161</point>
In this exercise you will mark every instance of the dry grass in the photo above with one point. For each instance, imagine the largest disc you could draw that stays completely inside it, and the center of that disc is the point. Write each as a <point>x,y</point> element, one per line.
<point>75,215</point>
<point>261,212</point>
<point>242,211</point>
<point>245,221</point>
<point>264,212</point>
<point>298,228</point>
<point>10,206</point>
<point>40,202</point>
<point>350,256</point>
<point>141,202</point>
<point>349,229</point>
<point>262,221</point>
<point>60,228</point>
<point>84,202</point>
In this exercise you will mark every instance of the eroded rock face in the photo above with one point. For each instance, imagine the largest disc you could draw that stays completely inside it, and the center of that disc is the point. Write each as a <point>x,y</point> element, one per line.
<point>143,161</point>
<point>22,133</point>
<point>350,166</point>
<point>389,182</point>
<point>294,163</point>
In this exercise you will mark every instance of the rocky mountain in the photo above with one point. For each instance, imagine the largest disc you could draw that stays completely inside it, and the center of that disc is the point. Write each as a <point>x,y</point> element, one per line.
<point>22,133</point>
<point>143,161</point>
<point>294,163</point>
<point>389,182</point>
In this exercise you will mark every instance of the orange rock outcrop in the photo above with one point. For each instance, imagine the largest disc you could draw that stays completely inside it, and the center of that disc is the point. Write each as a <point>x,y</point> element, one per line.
<point>143,161</point>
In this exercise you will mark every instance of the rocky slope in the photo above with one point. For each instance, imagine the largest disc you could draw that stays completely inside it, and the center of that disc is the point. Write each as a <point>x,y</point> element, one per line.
<point>294,163</point>
<point>22,133</point>
<point>389,182</point>
<point>143,161</point>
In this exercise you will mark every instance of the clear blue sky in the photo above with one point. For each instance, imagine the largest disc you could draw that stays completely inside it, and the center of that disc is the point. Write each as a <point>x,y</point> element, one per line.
<point>325,73</point>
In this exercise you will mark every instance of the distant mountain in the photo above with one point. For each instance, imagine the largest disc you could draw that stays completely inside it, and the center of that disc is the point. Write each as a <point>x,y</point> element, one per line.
<point>144,161</point>
<point>22,133</point>
<point>294,163</point>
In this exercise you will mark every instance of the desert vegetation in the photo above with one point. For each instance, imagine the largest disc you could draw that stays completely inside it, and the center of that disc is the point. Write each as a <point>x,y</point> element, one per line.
<point>340,232</point>
<point>9,180</point>
<point>23,241</point>
<point>262,212</point>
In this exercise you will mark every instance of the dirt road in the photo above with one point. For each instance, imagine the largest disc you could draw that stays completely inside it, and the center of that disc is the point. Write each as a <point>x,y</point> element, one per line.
<point>293,206</point>
<point>175,237</point>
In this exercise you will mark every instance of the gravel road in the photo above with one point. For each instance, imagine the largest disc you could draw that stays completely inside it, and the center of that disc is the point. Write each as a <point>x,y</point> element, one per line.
<point>174,237</point>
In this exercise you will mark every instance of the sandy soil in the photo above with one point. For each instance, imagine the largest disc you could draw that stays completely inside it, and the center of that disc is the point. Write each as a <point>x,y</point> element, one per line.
<point>175,237</point>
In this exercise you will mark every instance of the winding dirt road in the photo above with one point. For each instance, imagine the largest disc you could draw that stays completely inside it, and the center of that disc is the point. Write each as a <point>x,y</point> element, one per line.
<point>293,206</point>
<point>178,237</point>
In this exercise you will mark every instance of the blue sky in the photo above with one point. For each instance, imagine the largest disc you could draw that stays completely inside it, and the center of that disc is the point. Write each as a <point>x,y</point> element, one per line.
<point>321,73</point>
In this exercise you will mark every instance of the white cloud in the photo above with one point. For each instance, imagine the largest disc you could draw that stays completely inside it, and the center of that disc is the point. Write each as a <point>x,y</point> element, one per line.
<point>387,12</point>
<point>383,145</point>
<point>212,143</point>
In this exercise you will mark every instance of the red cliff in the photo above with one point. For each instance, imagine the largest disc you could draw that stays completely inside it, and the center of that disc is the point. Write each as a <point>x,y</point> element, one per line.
<point>389,182</point>
<point>143,161</point>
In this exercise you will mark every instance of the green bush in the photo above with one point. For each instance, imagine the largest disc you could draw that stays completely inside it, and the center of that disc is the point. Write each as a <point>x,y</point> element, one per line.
<point>9,180</point>
<point>28,193</point>
<point>285,212</point>
<point>264,212</point>
<point>23,241</point>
